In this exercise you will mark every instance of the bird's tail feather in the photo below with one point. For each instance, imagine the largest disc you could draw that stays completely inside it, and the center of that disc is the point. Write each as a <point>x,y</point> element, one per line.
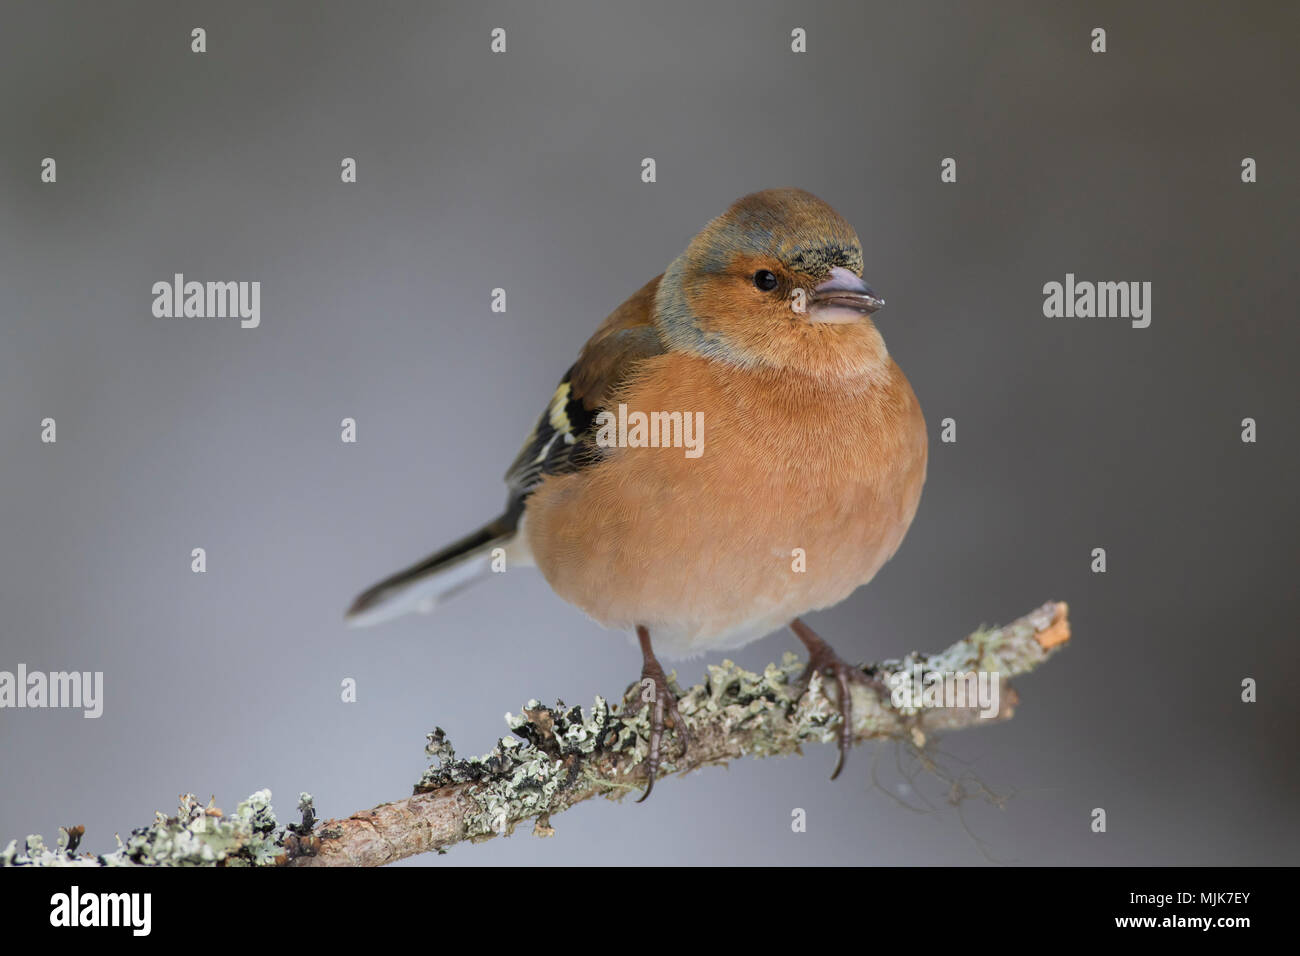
<point>442,574</point>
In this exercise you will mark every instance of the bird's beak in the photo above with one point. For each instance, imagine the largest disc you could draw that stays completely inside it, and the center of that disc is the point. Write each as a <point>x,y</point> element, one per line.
<point>842,298</point>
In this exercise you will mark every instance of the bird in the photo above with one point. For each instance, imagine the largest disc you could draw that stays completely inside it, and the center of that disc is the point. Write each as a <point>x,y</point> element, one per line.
<point>810,457</point>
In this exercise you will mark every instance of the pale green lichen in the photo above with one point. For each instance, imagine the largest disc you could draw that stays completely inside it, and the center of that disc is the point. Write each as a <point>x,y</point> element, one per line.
<point>521,778</point>
<point>196,836</point>
<point>762,714</point>
<point>526,777</point>
<point>733,698</point>
<point>1005,651</point>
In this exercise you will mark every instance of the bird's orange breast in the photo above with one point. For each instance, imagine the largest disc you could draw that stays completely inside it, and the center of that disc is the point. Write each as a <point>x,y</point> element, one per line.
<point>802,489</point>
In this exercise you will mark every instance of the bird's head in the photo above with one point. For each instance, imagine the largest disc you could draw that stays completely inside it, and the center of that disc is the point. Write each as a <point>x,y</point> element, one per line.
<point>776,280</point>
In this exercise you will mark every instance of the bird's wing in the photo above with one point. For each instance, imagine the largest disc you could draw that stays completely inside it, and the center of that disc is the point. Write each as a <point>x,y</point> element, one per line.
<point>563,440</point>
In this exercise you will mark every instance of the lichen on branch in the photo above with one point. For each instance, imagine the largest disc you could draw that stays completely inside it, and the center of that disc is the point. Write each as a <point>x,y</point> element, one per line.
<point>563,755</point>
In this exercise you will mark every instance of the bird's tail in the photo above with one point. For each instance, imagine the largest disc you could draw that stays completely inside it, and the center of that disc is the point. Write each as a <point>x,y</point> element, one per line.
<point>443,573</point>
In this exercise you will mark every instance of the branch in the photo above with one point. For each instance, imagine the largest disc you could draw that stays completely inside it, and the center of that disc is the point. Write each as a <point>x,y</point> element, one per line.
<point>564,756</point>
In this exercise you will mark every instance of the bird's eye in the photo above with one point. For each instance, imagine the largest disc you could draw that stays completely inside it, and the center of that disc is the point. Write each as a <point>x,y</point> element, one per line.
<point>764,280</point>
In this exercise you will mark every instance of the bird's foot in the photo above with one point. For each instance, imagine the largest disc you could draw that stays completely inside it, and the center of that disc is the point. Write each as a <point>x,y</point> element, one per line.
<point>663,703</point>
<point>823,660</point>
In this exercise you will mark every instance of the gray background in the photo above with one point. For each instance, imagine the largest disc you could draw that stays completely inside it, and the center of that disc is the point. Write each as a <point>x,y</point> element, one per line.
<point>522,171</point>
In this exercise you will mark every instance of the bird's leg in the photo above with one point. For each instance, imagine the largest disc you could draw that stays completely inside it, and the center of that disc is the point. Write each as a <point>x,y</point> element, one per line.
<point>823,660</point>
<point>662,701</point>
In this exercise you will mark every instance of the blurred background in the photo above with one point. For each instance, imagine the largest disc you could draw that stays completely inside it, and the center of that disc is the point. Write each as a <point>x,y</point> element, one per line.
<point>522,171</point>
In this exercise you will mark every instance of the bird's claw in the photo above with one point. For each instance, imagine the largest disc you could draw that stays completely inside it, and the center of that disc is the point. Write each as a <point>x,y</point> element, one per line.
<point>823,660</point>
<point>662,703</point>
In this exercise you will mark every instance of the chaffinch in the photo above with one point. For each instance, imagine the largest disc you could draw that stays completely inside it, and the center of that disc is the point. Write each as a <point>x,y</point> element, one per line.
<point>733,448</point>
